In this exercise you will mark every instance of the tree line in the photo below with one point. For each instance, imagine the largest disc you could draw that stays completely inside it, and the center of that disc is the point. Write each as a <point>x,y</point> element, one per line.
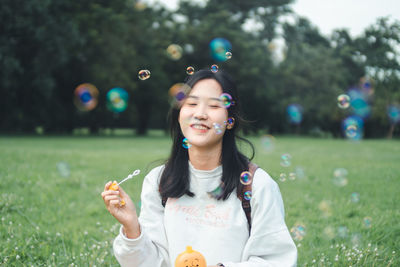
<point>48,48</point>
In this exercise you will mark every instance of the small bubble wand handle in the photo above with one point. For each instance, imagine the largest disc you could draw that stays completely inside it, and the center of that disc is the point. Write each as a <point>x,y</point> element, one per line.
<point>130,176</point>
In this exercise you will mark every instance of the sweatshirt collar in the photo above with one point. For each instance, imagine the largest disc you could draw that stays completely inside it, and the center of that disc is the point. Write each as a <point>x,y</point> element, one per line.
<point>205,174</point>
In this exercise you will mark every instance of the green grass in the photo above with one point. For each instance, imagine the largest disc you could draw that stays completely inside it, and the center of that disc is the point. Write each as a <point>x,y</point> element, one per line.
<point>48,219</point>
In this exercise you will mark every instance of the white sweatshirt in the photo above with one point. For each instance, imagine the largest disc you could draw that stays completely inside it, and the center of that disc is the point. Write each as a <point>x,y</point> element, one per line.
<point>217,229</point>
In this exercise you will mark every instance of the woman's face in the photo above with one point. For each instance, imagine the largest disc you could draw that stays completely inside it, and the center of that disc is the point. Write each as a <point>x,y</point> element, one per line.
<point>202,116</point>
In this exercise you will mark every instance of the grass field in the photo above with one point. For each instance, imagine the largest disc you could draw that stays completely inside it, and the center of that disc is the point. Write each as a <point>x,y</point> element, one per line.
<point>52,218</point>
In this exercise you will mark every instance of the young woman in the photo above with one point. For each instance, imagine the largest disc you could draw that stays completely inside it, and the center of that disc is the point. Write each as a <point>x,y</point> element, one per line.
<point>194,198</point>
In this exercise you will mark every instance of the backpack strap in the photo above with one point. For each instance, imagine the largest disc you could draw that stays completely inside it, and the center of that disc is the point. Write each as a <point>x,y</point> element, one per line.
<point>248,188</point>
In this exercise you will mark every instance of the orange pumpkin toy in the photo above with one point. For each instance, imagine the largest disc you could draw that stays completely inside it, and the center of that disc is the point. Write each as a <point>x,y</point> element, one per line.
<point>190,258</point>
<point>114,187</point>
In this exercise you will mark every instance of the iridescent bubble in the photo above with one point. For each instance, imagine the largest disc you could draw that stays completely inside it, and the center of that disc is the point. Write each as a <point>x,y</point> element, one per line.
<point>325,207</point>
<point>117,100</point>
<point>247,195</point>
<point>343,101</point>
<point>217,192</point>
<point>286,160</point>
<point>359,103</point>
<point>245,178</point>
<point>353,127</point>
<point>340,177</point>
<point>329,232</point>
<point>356,239</point>
<point>178,93</point>
<point>219,47</point>
<point>366,86</point>
<point>282,177</point>
<point>190,70</point>
<point>144,74</point>
<point>64,169</point>
<point>228,55</point>
<point>292,176</point>
<point>393,112</point>
<point>367,222</point>
<point>342,231</point>
<point>226,100</point>
<point>214,68</point>
<point>295,113</point>
<point>268,142</point>
<point>300,173</point>
<point>86,97</point>
<point>218,128</point>
<point>355,197</point>
<point>185,143</point>
<point>298,232</point>
<point>230,121</point>
<point>174,51</point>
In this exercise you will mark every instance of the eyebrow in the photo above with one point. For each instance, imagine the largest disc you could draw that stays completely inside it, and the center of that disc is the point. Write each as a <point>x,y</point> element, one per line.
<point>210,98</point>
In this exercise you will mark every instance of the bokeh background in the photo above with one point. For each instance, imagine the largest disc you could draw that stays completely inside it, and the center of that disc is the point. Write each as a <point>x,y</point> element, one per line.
<point>86,86</point>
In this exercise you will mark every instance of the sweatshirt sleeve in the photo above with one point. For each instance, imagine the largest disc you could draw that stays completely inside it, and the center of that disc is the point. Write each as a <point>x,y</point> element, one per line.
<point>270,243</point>
<point>151,247</point>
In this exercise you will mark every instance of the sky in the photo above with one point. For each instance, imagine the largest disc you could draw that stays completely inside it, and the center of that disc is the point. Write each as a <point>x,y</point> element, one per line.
<point>355,15</point>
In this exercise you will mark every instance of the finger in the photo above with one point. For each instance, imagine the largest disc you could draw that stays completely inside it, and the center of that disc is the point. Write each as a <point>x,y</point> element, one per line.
<point>114,202</point>
<point>109,198</point>
<point>108,193</point>
<point>107,185</point>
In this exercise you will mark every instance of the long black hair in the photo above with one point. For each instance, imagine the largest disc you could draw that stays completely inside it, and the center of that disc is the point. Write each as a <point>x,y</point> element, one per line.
<point>174,180</point>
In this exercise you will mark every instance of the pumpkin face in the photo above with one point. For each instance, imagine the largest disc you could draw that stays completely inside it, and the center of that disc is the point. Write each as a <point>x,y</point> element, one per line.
<point>190,258</point>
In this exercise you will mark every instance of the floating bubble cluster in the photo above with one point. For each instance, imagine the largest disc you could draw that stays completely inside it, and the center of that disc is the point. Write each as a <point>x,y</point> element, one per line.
<point>228,55</point>
<point>340,177</point>
<point>298,232</point>
<point>144,74</point>
<point>393,112</point>
<point>226,100</point>
<point>247,195</point>
<point>286,160</point>
<point>190,70</point>
<point>343,101</point>
<point>245,178</point>
<point>267,142</point>
<point>219,48</point>
<point>117,100</point>
<point>185,143</point>
<point>295,113</point>
<point>353,127</point>
<point>218,128</point>
<point>64,169</point>
<point>86,97</point>
<point>174,51</point>
<point>214,68</point>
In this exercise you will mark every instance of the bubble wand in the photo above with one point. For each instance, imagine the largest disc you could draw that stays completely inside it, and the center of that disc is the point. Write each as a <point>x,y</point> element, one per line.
<point>114,185</point>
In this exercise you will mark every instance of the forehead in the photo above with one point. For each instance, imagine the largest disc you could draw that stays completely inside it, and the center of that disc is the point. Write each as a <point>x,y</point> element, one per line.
<point>209,88</point>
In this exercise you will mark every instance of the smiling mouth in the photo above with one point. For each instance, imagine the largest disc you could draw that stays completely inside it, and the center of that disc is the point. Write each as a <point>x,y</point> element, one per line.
<point>199,127</point>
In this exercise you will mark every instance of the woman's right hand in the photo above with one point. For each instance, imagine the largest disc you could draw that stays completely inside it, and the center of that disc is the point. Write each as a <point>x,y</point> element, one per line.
<point>125,214</point>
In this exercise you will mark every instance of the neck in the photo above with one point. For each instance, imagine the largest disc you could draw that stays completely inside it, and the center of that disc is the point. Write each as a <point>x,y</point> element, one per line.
<point>205,158</point>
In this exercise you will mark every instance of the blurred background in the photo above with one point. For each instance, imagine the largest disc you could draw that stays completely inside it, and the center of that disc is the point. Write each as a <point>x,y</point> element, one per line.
<point>90,67</point>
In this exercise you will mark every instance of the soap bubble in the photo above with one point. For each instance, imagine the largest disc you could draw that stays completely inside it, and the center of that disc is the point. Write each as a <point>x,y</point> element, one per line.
<point>144,74</point>
<point>286,160</point>
<point>355,197</point>
<point>292,176</point>
<point>217,192</point>
<point>367,222</point>
<point>245,178</point>
<point>268,142</point>
<point>295,113</point>
<point>64,169</point>
<point>329,232</point>
<point>340,177</point>
<point>353,127</point>
<point>393,112</point>
<point>214,68</point>
<point>219,47</point>
<point>343,101</point>
<point>190,70</point>
<point>86,97</point>
<point>178,92</point>
<point>282,177</point>
<point>174,51</point>
<point>247,195</point>
<point>226,100</point>
<point>298,232</point>
<point>218,128</point>
<point>342,231</point>
<point>117,100</point>
<point>185,143</point>
<point>228,55</point>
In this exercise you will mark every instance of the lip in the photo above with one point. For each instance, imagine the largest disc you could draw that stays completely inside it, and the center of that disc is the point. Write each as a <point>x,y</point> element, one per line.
<point>200,124</point>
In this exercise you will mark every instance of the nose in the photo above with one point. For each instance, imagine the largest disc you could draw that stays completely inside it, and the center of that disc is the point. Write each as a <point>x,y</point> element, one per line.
<point>201,112</point>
